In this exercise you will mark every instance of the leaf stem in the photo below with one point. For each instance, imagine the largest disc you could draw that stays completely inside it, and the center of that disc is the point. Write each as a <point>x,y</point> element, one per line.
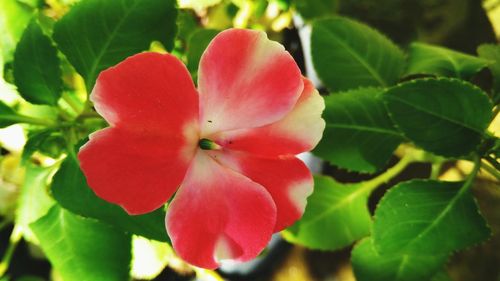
<point>15,237</point>
<point>87,107</point>
<point>71,102</point>
<point>436,170</point>
<point>65,115</point>
<point>71,140</point>
<point>34,120</point>
<point>492,171</point>
<point>392,172</point>
<point>89,115</point>
<point>470,178</point>
<point>493,162</point>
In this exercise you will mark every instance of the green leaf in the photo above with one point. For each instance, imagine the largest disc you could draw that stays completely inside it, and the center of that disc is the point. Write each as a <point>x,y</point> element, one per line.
<point>83,249</point>
<point>492,53</point>
<point>336,215</point>
<point>187,24</point>
<point>417,225</point>
<point>8,116</point>
<point>97,34</point>
<point>426,217</point>
<point>359,134</point>
<point>34,200</point>
<point>369,265</point>
<point>311,9</point>
<point>347,54</point>
<point>198,42</point>
<point>14,16</point>
<point>37,68</point>
<point>445,116</point>
<point>36,141</point>
<point>429,59</point>
<point>70,189</point>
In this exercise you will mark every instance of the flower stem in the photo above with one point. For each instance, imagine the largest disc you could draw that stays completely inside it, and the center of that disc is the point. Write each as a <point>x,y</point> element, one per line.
<point>15,237</point>
<point>370,185</point>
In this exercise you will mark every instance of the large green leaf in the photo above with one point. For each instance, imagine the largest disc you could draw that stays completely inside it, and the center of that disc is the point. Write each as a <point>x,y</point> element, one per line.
<point>36,67</point>
<point>429,59</point>
<point>417,225</point>
<point>359,134</point>
<point>348,54</point>
<point>70,189</point>
<point>34,200</point>
<point>336,215</point>
<point>445,116</point>
<point>492,53</point>
<point>369,265</point>
<point>97,34</point>
<point>83,249</point>
<point>426,217</point>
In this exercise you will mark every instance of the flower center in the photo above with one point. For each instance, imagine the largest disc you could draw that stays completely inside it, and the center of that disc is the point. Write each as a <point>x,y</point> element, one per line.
<point>207,144</point>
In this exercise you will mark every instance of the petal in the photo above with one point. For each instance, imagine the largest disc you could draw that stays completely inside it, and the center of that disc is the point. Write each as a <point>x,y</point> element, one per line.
<point>137,171</point>
<point>245,80</point>
<point>219,214</point>
<point>147,92</point>
<point>287,179</point>
<point>299,131</point>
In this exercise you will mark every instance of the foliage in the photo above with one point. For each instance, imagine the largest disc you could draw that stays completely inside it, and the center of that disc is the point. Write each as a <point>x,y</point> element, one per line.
<point>424,104</point>
<point>64,237</point>
<point>358,115</point>
<point>348,54</point>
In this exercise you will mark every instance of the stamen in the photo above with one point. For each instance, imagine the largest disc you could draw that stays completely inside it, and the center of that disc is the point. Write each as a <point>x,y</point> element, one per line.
<point>207,144</point>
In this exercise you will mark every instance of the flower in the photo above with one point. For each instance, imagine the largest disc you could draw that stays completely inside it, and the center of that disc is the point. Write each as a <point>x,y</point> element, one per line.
<point>227,149</point>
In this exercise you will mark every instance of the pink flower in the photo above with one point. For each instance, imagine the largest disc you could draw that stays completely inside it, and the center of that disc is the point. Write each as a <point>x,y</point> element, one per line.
<point>226,149</point>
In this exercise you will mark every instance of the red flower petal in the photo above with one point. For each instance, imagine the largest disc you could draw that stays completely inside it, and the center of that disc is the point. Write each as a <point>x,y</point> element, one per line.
<point>137,171</point>
<point>219,214</point>
<point>147,92</point>
<point>299,131</point>
<point>287,179</point>
<point>151,104</point>
<point>245,80</point>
